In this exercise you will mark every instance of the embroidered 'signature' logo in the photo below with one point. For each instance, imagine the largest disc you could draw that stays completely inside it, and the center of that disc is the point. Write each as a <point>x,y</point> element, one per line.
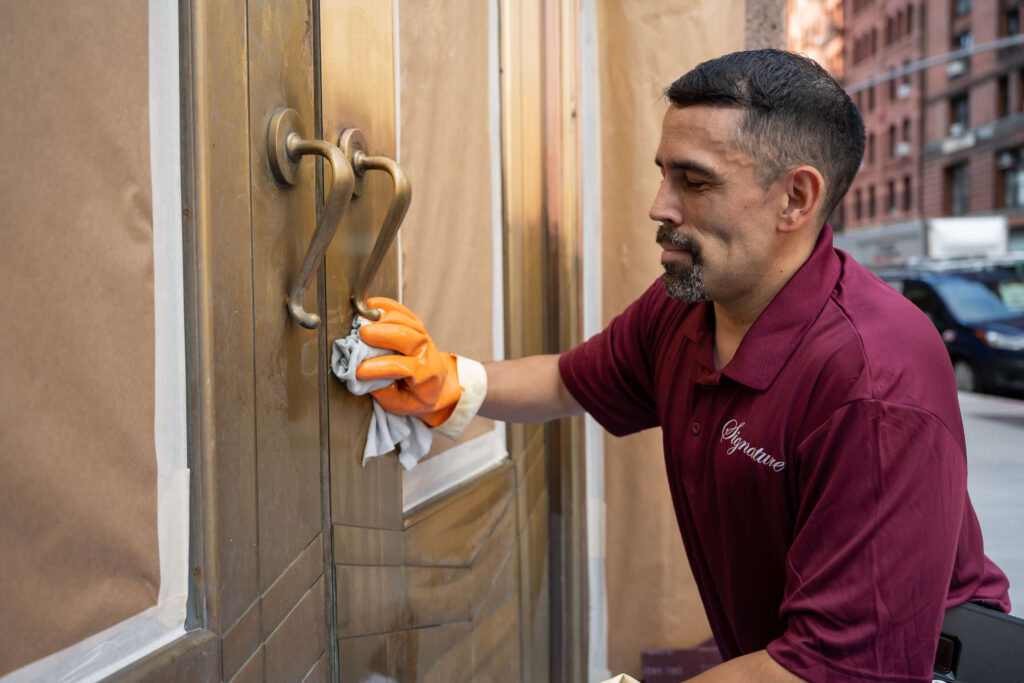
<point>731,434</point>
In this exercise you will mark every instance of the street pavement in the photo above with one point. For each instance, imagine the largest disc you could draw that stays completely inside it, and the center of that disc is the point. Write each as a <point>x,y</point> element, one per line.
<point>995,479</point>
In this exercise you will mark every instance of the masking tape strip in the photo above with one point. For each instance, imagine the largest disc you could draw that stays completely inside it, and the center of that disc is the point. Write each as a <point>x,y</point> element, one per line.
<point>434,476</point>
<point>590,217</point>
<point>497,222</point>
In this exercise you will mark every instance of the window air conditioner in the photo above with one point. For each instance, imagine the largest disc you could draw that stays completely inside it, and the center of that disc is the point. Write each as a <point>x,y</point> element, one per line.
<point>1005,160</point>
<point>957,130</point>
<point>958,67</point>
<point>901,149</point>
<point>903,91</point>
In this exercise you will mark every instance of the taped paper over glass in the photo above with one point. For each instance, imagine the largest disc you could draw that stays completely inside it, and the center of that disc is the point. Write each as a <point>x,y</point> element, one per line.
<point>112,464</point>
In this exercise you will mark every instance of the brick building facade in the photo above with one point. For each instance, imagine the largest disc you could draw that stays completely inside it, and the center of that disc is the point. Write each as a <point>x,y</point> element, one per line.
<point>943,140</point>
<point>882,39</point>
<point>973,156</point>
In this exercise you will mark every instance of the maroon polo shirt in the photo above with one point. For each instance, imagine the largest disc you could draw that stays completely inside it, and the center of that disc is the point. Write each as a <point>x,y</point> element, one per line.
<point>819,479</point>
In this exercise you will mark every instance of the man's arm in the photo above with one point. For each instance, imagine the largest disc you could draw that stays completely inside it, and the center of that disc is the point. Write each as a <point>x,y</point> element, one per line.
<point>756,666</point>
<point>443,389</point>
<point>527,390</point>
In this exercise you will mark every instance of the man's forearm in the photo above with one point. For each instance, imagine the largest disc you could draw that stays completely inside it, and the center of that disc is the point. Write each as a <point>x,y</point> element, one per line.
<point>527,390</point>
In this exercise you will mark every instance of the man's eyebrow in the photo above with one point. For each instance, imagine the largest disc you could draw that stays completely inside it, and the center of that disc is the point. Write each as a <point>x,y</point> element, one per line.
<point>687,165</point>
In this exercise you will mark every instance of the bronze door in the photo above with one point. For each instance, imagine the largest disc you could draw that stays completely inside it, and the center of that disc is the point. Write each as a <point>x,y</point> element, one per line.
<point>305,565</point>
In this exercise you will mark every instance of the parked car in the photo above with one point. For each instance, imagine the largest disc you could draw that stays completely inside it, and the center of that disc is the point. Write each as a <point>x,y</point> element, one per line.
<point>984,335</point>
<point>1005,283</point>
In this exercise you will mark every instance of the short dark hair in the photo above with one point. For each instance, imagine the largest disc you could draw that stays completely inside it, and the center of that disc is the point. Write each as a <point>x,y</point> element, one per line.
<point>795,114</point>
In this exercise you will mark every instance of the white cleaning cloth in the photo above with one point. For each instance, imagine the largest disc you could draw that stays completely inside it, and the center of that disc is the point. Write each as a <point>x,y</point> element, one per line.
<point>410,434</point>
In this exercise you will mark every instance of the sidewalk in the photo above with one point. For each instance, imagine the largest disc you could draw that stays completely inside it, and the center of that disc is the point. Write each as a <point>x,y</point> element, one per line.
<point>995,480</point>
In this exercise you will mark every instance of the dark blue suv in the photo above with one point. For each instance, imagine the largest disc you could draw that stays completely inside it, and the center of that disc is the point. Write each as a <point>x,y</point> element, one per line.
<point>984,336</point>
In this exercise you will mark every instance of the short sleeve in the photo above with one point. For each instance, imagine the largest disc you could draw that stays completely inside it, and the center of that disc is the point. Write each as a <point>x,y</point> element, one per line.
<point>611,375</point>
<point>882,492</point>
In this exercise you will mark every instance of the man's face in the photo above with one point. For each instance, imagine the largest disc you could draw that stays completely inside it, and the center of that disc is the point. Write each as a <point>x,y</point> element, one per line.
<point>717,223</point>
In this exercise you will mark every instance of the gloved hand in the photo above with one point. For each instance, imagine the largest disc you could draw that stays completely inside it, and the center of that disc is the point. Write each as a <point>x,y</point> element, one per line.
<point>426,381</point>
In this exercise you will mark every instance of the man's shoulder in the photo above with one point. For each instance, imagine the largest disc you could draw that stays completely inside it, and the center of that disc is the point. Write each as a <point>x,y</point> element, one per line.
<point>869,330</point>
<point>885,322</point>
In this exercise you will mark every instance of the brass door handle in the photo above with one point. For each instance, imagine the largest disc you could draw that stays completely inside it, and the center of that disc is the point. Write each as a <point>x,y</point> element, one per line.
<point>353,143</point>
<point>285,147</point>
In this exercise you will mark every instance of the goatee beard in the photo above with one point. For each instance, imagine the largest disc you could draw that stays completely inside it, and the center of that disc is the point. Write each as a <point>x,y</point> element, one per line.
<point>683,283</point>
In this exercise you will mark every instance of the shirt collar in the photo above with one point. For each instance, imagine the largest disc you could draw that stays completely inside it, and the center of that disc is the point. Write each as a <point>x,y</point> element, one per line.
<point>773,337</point>
<point>698,327</point>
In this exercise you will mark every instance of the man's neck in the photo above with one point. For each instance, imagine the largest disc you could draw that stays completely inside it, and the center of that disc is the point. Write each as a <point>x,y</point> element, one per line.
<point>733,318</point>
<point>731,325</point>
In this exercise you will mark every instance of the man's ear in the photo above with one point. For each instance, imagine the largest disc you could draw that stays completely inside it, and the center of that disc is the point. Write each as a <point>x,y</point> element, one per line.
<point>805,189</point>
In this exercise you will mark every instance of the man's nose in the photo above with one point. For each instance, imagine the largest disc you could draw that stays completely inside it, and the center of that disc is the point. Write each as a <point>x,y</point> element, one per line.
<point>665,208</point>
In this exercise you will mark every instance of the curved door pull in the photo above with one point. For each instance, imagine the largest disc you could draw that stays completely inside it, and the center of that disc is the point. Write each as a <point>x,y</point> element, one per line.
<point>353,143</point>
<point>285,147</point>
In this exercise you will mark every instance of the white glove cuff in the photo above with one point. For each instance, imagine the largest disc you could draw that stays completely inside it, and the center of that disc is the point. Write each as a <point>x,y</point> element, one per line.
<point>473,380</point>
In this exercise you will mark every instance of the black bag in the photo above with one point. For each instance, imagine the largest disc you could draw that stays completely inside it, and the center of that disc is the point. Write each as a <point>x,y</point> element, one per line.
<point>980,645</point>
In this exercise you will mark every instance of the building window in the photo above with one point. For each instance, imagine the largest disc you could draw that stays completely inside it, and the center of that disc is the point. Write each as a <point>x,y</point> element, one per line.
<point>1003,97</point>
<point>957,190</point>
<point>871,148</point>
<point>1011,21</point>
<point>892,85</point>
<point>1011,166</point>
<point>901,146</point>
<point>890,31</point>
<point>910,18</point>
<point>874,41</point>
<point>871,98</point>
<point>958,115</point>
<point>962,65</point>
<point>871,201</point>
<point>907,198</point>
<point>962,40</point>
<point>961,7</point>
<point>857,204</point>
<point>890,198</point>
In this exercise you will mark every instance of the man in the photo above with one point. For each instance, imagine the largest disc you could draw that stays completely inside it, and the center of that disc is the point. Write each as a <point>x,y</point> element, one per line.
<point>813,442</point>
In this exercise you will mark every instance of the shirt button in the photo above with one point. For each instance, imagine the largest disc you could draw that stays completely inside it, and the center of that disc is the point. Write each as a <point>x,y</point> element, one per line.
<point>695,428</point>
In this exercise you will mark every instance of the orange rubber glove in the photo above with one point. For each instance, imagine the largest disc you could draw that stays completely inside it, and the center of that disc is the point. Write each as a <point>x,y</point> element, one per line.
<point>426,381</point>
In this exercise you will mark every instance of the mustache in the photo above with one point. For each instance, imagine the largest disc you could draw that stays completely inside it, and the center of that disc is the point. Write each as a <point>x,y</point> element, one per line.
<point>667,235</point>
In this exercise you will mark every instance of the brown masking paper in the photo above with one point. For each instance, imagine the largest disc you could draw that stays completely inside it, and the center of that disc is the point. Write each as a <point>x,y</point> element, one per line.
<point>447,272</point>
<point>643,45</point>
<point>78,509</point>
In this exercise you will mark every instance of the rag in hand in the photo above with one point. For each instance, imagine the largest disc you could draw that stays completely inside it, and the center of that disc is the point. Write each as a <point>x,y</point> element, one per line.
<point>410,434</point>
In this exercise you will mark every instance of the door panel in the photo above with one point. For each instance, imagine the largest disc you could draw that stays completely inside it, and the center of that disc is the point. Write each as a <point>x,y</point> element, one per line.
<point>292,597</point>
<point>458,590</point>
<point>260,591</point>
<point>357,67</point>
<point>216,193</point>
<point>455,591</point>
<point>285,354</point>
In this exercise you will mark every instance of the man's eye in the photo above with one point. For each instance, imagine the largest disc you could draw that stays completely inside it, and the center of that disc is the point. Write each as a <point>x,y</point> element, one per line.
<point>695,184</point>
